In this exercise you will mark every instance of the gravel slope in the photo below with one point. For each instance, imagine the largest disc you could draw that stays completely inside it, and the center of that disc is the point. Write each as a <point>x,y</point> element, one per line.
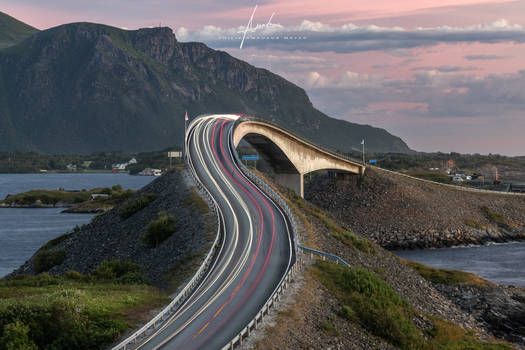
<point>398,212</point>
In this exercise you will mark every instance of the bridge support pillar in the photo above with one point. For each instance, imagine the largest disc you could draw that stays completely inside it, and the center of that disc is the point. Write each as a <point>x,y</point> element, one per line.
<point>292,181</point>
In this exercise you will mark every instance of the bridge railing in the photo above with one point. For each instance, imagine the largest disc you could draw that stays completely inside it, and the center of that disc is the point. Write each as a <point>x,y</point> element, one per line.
<point>140,335</point>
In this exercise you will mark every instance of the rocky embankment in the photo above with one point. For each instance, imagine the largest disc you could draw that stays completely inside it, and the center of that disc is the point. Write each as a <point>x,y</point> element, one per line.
<point>402,213</point>
<point>109,236</point>
<point>501,309</point>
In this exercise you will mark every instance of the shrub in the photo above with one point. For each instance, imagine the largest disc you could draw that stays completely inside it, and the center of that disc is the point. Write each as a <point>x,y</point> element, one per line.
<point>15,337</point>
<point>76,276</point>
<point>117,188</point>
<point>45,259</point>
<point>114,270</point>
<point>159,230</point>
<point>134,205</point>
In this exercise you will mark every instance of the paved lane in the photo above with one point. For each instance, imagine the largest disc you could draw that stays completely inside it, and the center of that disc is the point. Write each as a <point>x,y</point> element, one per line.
<point>255,255</point>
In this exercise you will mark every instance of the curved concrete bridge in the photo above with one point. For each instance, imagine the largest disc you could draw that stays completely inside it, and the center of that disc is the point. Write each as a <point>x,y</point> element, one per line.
<point>290,156</point>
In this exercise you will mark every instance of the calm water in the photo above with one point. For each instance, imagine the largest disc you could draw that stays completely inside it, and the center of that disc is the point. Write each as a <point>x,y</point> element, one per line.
<point>23,231</point>
<point>500,263</point>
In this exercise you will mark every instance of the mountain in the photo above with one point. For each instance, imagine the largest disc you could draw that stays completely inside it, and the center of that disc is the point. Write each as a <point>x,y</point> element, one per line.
<point>86,87</point>
<point>13,31</point>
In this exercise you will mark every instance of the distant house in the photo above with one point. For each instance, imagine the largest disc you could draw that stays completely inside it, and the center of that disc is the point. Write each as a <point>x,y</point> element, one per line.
<point>150,172</point>
<point>95,196</point>
<point>123,166</point>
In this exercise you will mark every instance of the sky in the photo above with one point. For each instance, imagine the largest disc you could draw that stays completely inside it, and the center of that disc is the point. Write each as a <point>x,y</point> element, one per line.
<point>444,75</point>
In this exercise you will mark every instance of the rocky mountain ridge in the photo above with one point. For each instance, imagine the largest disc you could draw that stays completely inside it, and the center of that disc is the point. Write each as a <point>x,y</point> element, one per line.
<point>85,87</point>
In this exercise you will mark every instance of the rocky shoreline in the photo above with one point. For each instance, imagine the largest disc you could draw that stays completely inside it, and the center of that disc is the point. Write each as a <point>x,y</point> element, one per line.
<point>110,236</point>
<point>402,213</point>
<point>500,309</point>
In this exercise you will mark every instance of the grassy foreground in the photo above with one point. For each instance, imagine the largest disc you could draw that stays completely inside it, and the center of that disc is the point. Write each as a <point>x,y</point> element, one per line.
<point>371,303</point>
<point>74,312</point>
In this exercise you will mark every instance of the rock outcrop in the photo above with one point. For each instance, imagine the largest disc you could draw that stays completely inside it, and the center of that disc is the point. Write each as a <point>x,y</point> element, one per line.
<point>501,309</point>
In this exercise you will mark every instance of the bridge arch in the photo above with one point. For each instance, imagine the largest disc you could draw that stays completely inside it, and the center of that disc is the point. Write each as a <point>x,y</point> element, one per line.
<point>290,156</point>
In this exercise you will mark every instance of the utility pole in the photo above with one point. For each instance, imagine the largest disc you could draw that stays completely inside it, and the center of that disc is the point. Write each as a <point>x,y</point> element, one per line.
<point>363,143</point>
<point>184,141</point>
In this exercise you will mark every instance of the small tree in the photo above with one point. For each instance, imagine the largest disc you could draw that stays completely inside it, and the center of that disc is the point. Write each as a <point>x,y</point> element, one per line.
<point>159,230</point>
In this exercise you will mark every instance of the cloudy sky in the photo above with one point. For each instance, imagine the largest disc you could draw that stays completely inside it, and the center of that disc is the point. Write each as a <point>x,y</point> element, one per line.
<point>445,75</point>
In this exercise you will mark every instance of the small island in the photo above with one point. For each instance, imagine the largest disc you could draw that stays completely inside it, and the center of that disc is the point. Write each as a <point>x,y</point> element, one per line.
<point>97,200</point>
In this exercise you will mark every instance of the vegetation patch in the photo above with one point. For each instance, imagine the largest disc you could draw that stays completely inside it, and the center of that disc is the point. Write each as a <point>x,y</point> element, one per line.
<point>329,328</point>
<point>56,241</point>
<point>432,176</point>
<point>448,277</point>
<point>447,336</point>
<point>371,303</point>
<point>114,270</point>
<point>350,239</point>
<point>497,218</point>
<point>55,313</point>
<point>474,224</point>
<point>159,230</point>
<point>193,199</point>
<point>45,259</point>
<point>135,205</point>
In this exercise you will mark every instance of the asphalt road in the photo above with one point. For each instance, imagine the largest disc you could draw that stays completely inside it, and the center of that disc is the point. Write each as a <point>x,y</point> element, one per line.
<point>255,255</point>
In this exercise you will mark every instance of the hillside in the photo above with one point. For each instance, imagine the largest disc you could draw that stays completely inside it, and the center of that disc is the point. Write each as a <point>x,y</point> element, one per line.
<point>13,31</point>
<point>403,213</point>
<point>86,87</point>
<point>382,301</point>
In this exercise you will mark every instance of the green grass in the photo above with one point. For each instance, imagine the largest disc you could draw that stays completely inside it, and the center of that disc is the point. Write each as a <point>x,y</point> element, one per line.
<point>432,176</point>
<point>134,205</point>
<point>159,230</point>
<point>193,199</point>
<point>372,304</point>
<point>497,218</point>
<point>329,328</point>
<point>350,239</point>
<point>60,313</point>
<point>448,277</point>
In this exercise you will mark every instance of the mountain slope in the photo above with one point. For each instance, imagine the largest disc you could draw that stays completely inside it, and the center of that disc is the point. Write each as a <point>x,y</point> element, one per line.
<point>13,31</point>
<point>86,87</point>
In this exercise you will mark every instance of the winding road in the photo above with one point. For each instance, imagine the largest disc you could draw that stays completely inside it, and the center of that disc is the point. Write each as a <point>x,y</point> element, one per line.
<point>256,250</point>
